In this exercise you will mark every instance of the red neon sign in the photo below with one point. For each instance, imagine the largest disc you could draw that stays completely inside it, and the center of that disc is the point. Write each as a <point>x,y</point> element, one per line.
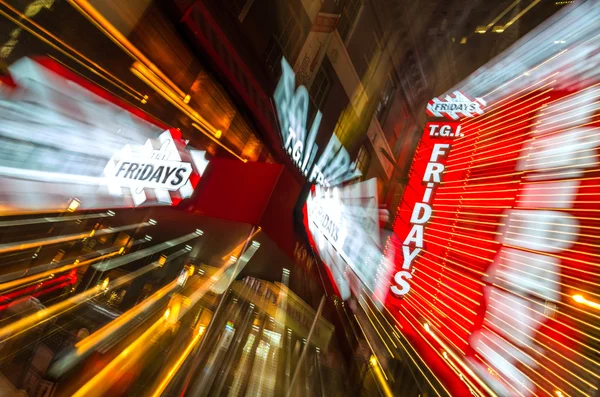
<point>511,240</point>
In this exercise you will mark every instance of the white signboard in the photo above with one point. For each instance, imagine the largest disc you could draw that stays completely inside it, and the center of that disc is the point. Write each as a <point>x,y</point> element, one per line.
<point>157,166</point>
<point>455,106</point>
<point>344,224</point>
<point>334,165</point>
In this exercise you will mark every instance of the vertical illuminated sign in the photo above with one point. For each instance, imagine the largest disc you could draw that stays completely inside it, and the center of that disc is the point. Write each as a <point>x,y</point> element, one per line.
<point>435,147</point>
<point>333,166</point>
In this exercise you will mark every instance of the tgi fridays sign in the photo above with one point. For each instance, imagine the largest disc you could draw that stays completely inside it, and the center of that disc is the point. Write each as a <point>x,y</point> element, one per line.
<point>162,168</point>
<point>333,167</point>
<point>438,136</point>
<point>504,298</point>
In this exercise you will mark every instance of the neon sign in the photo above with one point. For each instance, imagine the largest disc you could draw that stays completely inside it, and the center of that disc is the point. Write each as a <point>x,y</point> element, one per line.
<point>334,165</point>
<point>412,244</point>
<point>455,106</point>
<point>344,225</point>
<point>157,166</point>
<point>498,295</point>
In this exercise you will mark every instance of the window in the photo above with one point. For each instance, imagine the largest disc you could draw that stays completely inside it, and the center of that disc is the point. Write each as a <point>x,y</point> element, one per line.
<point>273,56</point>
<point>348,18</point>
<point>288,40</point>
<point>318,92</point>
<point>363,160</point>
<point>370,53</point>
<point>387,95</point>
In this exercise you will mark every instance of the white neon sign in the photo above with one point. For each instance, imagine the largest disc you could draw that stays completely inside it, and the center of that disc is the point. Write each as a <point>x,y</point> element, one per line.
<point>455,106</point>
<point>334,165</point>
<point>160,169</point>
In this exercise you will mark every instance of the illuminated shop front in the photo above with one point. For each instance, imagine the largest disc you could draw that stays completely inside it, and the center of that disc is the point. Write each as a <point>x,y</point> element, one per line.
<point>496,282</point>
<point>134,193</point>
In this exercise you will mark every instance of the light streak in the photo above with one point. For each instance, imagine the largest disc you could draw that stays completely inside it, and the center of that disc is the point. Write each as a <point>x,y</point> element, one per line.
<point>425,376</point>
<point>370,346</point>
<point>127,358</point>
<point>460,362</point>
<point>503,13</point>
<point>88,343</point>
<point>36,277</point>
<point>23,245</point>
<point>88,11</point>
<point>26,323</point>
<point>580,299</point>
<point>111,79</point>
<point>23,222</point>
<point>376,330</point>
<point>583,322</point>
<point>177,365</point>
<point>547,357</point>
<point>378,321</point>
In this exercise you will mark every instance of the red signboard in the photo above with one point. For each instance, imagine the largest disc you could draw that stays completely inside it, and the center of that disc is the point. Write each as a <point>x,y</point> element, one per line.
<point>498,293</point>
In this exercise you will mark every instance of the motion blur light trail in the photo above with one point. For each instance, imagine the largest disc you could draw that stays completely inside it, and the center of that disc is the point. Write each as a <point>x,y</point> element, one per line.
<point>136,350</point>
<point>85,346</point>
<point>26,323</point>
<point>11,247</point>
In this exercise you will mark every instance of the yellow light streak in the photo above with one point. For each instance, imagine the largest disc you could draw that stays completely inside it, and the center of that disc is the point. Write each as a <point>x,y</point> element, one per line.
<point>439,274</point>
<point>467,277</point>
<point>84,345</point>
<point>88,11</point>
<point>425,376</point>
<point>177,365</point>
<point>26,323</point>
<point>369,343</point>
<point>385,388</point>
<point>453,233</point>
<point>494,119</point>
<point>196,126</point>
<point>460,362</point>
<point>378,321</point>
<point>25,280</point>
<point>376,330</point>
<point>431,317</point>
<point>470,269</point>
<point>238,249</point>
<point>98,385</point>
<point>580,299</point>
<point>456,250</point>
<point>106,76</point>
<point>503,13</point>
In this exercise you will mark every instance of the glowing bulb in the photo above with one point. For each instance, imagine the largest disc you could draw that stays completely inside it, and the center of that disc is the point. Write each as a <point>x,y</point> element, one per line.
<point>373,361</point>
<point>578,298</point>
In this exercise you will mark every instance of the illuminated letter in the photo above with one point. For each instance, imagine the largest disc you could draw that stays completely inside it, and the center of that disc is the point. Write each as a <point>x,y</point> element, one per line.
<point>433,169</point>
<point>438,150</point>
<point>415,236</point>
<point>297,152</point>
<point>445,130</point>
<point>399,278</point>
<point>121,168</point>
<point>409,256</point>
<point>432,129</point>
<point>415,218</point>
